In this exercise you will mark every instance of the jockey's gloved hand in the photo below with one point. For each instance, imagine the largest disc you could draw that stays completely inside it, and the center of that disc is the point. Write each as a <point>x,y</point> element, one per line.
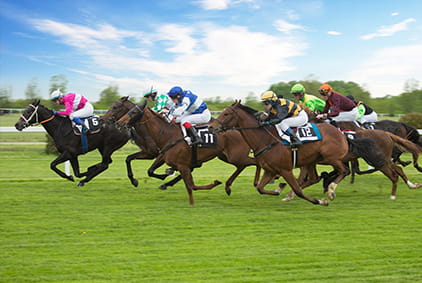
<point>263,123</point>
<point>258,114</point>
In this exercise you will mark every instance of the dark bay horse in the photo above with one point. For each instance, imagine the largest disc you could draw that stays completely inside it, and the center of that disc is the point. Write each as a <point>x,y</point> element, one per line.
<point>276,158</point>
<point>108,140</point>
<point>384,143</point>
<point>139,134</point>
<point>230,148</point>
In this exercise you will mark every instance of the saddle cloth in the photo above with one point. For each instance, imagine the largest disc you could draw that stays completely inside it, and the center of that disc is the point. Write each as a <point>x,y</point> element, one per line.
<point>92,125</point>
<point>307,133</point>
<point>209,139</point>
<point>349,134</point>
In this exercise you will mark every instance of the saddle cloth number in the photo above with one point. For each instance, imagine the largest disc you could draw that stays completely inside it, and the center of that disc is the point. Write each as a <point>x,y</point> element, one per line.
<point>306,132</point>
<point>350,134</point>
<point>209,139</point>
<point>93,123</point>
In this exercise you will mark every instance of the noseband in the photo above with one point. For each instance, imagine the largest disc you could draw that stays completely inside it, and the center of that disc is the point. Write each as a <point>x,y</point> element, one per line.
<point>224,125</point>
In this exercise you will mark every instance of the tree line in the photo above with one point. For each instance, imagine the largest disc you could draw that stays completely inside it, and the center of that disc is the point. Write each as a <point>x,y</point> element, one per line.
<point>408,101</point>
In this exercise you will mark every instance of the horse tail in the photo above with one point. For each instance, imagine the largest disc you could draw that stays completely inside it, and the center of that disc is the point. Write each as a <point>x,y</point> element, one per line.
<point>412,134</point>
<point>407,146</point>
<point>366,149</point>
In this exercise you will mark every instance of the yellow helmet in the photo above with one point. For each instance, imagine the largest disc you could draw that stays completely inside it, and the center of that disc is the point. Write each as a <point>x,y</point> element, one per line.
<point>269,95</point>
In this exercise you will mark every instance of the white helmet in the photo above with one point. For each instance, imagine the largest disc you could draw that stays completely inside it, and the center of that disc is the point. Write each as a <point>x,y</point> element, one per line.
<point>56,94</point>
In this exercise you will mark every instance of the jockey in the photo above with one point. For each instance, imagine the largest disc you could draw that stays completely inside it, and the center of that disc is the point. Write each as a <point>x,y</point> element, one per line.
<point>337,106</point>
<point>312,102</point>
<point>77,106</point>
<point>161,102</point>
<point>283,114</point>
<point>366,113</point>
<point>189,110</point>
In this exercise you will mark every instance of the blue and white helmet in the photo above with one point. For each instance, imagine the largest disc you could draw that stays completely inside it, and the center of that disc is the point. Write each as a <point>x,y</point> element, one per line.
<point>56,94</point>
<point>175,91</point>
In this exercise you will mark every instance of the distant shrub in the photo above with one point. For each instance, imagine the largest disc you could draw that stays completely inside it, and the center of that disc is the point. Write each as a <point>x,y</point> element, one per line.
<point>50,147</point>
<point>412,119</point>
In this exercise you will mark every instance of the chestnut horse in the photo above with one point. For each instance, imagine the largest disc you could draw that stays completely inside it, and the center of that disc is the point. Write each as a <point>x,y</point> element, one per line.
<point>276,158</point>
<point>176,153</point>
<point>141,137</point>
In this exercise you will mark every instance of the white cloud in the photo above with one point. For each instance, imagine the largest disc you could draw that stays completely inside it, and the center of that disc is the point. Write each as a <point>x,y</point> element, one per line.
<point>224,4</point>
<point>286,27</point>
<point>224,56</point>
<point>394,14</point>
<point>386,71</point>
<point>214,4</point>
<point>389,30</point>
<point>331,32</point>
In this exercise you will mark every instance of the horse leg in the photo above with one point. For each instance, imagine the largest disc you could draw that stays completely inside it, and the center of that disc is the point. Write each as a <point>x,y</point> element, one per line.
<point>190,185</point>
<point>266,178</point>
<point>170,183</point>
<point>354,165</point>
<point>129,158</point>
<point>342,171</point>
<point>291,180</point>
<point>157,163</point>
<point>229,182</point>
<point>307,177</point>
<point>60,159</point>
<point>75,167</point>
<point>257,173</point>
<point>392,175</point>
<point>96,169</point>
<point>400,172</point>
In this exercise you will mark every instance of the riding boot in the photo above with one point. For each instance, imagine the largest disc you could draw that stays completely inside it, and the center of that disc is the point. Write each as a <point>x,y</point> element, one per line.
<point>195,138</point>
<point>79,121</point>
<point>294,140</point>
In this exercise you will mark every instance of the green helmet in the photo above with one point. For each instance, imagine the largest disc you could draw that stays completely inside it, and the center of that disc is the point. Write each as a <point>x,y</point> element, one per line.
<point>297,88</point>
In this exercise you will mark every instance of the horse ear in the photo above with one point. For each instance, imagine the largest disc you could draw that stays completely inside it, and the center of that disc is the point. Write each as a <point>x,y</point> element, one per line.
<point>125,98</point>
<point>236,102</point>
<point>36,102</point>
<point>143,104</point>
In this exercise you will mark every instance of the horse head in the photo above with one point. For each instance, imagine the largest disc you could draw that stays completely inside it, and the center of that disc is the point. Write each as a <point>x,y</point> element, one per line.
<point>129,119</point>
<point>119,108</point>
<point>31,115</point>
<point>226,119</point>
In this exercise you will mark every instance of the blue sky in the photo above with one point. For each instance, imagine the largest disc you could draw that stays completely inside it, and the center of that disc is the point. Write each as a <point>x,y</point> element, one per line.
<point>224,48</point>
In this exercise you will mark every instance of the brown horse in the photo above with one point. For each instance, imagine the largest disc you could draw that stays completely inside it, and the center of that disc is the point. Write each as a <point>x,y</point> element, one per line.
<point>384,145</point>
<point>148,148</point>
<point>230,148</point>
<point>276,158</point>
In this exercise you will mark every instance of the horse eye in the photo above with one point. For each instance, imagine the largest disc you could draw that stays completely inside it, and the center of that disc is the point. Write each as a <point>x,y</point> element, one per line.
<point>226,114</point>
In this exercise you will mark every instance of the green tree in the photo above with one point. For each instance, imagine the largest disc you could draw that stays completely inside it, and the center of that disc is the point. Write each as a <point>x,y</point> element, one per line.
<point>5,93</point>
<point>107,97</point>
<point>58,82</point>
<point>32,91</point>
<point>411,85</point>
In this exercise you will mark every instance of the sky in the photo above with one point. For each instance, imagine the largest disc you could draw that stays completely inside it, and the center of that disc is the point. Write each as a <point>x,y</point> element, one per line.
<point>225,48</point>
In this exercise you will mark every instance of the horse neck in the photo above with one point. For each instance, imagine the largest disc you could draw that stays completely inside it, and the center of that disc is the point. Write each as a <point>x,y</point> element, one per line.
<point>255,138</point>
<point>52,126</point>
<point>160,131</point>
<point>347,126</point>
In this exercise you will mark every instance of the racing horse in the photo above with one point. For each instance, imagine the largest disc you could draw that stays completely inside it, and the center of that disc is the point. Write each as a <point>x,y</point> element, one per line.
<point>69,145</point>
<point>149,150</point>
<point>276,158</point>
<point>230,147</point>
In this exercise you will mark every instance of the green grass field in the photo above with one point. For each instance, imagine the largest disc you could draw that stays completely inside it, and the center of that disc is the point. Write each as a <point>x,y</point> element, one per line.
<point>51,230</point>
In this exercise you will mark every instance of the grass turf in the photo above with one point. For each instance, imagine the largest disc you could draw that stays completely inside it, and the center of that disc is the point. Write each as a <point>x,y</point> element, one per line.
<point>51,230</point>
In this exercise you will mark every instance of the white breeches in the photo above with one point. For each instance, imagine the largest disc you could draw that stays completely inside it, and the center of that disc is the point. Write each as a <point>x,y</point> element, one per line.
<point>194,119</point>
<point>347,115</point>
<point>87,111</point>
<point>300,120</point>
<point>370,118</point>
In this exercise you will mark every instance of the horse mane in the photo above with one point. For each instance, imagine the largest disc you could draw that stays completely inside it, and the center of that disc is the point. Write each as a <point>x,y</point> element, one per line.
<point>412,133</point>
<point>247,109</point>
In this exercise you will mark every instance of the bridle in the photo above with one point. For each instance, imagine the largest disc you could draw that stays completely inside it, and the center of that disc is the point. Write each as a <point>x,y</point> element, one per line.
<point>34,113</point>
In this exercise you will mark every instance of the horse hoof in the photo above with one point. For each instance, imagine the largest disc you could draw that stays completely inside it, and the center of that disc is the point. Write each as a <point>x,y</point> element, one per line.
<point>170,171</point>
<point>392,197</point>
<point>216,183</point>
<point>287,199</point>
<point>228,191</point>
<point>323,202</point>
<point>71,179</point>
<point>332,195</point>
<point>162,187</point>
<point>135,183</point>
<point>81,184</point>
